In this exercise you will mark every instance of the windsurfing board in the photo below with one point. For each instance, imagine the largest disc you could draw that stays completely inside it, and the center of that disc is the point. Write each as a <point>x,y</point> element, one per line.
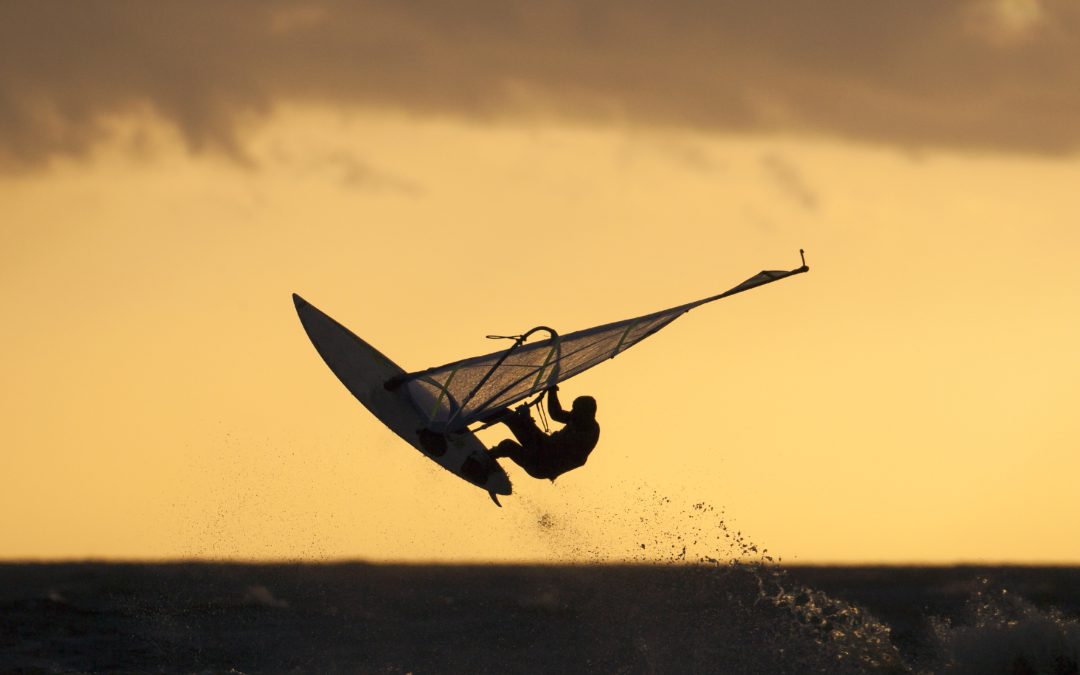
<point>364,371</point>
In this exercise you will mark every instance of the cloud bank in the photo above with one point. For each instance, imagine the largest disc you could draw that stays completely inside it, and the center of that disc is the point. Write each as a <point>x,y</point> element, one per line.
<point>983,75</point>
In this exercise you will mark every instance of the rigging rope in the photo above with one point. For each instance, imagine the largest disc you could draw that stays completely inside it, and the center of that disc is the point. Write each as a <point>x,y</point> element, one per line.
<point>543,417</point>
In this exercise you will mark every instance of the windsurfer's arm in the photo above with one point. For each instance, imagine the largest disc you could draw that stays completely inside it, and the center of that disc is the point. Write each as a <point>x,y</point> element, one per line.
<point>555,408</point>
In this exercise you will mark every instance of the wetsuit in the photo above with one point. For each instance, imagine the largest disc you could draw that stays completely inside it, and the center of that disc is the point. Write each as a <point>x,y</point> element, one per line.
<point>543,455</point>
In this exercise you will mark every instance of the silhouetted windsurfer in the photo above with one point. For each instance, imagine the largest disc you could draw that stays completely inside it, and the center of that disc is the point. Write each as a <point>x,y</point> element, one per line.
<point>544,455</point>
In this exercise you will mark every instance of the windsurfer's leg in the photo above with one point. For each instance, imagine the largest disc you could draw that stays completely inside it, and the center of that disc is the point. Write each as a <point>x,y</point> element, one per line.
<point>524,428</point>
<point>524,456</point>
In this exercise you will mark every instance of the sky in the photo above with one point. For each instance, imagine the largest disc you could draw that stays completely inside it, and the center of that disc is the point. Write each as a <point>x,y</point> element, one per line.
<point>171,172</point>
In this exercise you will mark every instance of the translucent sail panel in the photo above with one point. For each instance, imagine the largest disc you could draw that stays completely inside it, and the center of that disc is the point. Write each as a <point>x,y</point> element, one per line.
<point>452,396</point>
<point>455,395</point>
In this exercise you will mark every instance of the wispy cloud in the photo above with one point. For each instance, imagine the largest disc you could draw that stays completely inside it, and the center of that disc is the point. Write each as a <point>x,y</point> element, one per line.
<point>996,75</point>
<point>789,180</point>
<point>349,170</point>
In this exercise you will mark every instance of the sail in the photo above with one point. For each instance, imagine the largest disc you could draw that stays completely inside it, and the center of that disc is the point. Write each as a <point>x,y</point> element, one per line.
<point>457,394</point>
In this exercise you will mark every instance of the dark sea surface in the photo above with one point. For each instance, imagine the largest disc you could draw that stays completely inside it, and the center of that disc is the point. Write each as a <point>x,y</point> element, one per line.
<point>657,618</point>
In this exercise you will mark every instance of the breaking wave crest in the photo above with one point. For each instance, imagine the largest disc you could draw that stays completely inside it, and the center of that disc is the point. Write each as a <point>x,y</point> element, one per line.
<point>1004,633</point>
<point>753,614</point>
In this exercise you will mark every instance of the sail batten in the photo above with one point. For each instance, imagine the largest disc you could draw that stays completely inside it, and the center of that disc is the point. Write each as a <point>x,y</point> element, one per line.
<point>457,394</point>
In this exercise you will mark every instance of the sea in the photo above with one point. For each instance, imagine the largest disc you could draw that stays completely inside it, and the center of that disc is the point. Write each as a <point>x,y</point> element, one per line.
<point>683,603</point>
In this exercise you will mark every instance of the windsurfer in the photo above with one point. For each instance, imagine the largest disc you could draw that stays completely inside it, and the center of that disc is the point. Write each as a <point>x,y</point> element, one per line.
<point>545,455</point>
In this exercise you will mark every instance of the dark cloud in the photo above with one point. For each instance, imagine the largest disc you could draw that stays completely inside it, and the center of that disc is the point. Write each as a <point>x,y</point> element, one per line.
<point>996,75</point>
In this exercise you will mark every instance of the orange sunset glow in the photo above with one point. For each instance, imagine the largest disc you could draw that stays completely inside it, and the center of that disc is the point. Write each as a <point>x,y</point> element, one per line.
<point>171,173</point>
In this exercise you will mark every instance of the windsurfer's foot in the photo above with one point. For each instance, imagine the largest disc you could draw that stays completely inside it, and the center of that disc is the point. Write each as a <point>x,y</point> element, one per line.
<point>504,449</point>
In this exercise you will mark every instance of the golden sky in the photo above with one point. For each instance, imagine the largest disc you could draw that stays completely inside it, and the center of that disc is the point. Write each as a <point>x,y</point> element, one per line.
<point>170,173</point>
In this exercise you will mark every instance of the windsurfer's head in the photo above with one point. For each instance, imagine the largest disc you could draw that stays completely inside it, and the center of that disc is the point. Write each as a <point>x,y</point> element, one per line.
<point>584,409</point>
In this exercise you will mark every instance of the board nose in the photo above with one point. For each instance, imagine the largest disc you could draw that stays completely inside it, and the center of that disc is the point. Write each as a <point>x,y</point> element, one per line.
<point>299,302</point>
